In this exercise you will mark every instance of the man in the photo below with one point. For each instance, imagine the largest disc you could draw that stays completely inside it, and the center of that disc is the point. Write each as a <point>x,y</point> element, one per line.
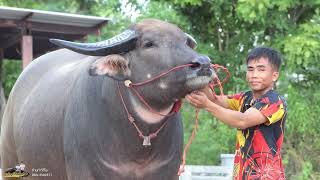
<point>258,114</point>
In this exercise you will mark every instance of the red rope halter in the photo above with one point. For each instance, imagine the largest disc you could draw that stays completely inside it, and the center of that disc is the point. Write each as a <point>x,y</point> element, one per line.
<point>176,108</point>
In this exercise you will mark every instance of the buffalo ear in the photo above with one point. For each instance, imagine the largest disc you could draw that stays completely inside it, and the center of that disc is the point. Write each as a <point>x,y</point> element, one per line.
<point>114,66</point>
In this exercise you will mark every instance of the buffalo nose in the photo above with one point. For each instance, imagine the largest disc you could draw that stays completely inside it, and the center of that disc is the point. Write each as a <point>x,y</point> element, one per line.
<point>201,61</point>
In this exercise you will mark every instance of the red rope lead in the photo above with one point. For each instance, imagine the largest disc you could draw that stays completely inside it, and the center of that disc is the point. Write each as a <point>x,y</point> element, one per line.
<point>226,79</point>
<point>195,128</point>
<point>186,148</point>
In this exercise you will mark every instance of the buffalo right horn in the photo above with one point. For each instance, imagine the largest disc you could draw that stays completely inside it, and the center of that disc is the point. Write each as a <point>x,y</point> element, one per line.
<point>118,44</point>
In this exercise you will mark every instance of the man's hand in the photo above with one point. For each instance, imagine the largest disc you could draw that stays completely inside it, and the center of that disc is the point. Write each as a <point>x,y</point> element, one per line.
<point>198,99</point>
<point>207,91</point>
<point>217,99</point>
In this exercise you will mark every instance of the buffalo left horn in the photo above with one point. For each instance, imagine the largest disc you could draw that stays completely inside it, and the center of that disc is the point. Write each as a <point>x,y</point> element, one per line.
<point>118,44</point>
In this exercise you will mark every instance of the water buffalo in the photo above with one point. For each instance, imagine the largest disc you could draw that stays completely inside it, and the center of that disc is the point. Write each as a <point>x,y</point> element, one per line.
<point>65,113</point>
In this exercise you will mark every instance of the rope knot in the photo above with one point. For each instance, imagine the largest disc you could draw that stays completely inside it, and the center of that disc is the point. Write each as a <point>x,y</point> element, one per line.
<point>131,119</point>
<point>127,83</point>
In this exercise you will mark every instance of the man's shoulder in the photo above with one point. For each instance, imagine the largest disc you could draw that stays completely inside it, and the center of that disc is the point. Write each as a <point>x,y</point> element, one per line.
<point>240,94</point>
<point>273,97</point>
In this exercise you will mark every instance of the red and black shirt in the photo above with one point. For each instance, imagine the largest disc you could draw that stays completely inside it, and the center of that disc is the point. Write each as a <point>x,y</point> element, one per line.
<point>258,148</point>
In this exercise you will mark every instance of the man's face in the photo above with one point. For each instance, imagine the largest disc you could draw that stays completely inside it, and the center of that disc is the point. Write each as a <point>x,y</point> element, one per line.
<point>260,74</point>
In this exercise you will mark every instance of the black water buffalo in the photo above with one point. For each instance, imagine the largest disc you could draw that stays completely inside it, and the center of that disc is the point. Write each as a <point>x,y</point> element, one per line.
<point>65,112</point>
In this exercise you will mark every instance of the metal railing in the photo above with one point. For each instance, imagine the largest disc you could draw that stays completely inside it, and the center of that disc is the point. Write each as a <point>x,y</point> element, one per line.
<point>198,172</point>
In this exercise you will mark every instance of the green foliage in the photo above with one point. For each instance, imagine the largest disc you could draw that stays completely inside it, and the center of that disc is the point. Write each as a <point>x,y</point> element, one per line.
<point>167,13</point>
<point>62,6</point>
<point>188,2</point>
<point>212,137</point>
<point>301,145</point>
<point>12,70</point>
<point>253,10</point>
<point>302,48</point>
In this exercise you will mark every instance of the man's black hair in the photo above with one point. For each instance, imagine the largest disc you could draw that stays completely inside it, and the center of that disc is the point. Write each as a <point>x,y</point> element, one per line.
<point>272,55</point>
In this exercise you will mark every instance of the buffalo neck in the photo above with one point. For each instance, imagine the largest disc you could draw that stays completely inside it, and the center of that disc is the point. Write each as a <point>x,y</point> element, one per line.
<point>142,112</point>
<point>133,104</point>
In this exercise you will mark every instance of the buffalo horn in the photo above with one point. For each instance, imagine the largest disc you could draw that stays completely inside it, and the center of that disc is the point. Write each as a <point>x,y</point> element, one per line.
<point>118,44</point>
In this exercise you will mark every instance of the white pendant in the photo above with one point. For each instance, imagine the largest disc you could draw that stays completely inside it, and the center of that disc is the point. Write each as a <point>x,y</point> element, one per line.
<point>146,141</point>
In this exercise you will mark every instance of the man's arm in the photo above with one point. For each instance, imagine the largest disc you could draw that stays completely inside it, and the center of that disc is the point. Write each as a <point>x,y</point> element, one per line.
<point>220,100</point>
<point>250,118</point>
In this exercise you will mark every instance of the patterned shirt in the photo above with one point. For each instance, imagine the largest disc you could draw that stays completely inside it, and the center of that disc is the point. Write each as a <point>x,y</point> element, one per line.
<point>258,148</point>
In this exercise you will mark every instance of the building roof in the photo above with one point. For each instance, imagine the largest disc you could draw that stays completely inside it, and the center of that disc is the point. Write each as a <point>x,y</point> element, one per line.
<point>39,16</point>
<point>42,25</point>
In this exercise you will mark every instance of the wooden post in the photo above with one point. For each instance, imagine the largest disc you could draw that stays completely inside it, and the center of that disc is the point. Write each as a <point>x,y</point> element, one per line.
<point>2,98</point>
<point>1,59</point>
<point>27,50</point>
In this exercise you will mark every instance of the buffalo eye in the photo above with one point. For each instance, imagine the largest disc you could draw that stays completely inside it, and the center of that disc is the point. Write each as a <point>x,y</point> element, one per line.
<point>190,43</point>
<point>148,44</point>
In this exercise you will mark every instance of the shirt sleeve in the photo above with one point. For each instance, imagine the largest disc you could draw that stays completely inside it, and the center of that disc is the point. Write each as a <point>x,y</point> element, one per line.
<point>234,101</point>
<point>272,107</point>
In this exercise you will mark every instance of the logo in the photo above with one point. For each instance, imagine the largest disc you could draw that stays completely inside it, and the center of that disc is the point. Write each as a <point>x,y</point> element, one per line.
<point>263,165</point>
<point>17,171</point>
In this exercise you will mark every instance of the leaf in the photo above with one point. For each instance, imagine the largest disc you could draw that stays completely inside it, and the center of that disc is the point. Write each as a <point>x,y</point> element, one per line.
<point>307,54</point>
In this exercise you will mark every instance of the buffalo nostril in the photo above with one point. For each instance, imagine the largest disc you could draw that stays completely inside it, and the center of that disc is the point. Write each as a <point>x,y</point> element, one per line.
<point>205,72</point>
<point>195,65</point>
